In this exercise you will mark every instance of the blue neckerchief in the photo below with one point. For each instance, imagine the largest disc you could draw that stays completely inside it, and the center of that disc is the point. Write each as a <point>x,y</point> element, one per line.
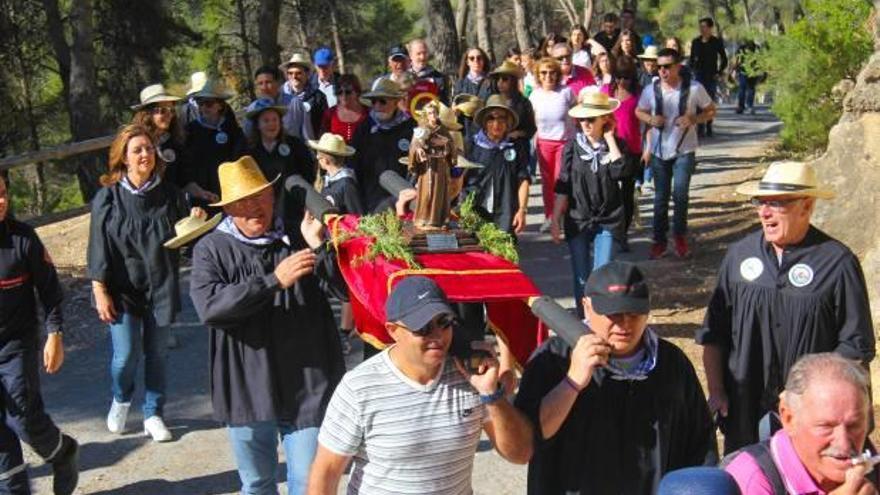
<point>399,118</point>
<point>589,153</point>
<point>640,371</point>
<point>227,226</point>
<point>209,126</point>
<point>151,183</point>
<point>483,141</point>
<point>340,174</point>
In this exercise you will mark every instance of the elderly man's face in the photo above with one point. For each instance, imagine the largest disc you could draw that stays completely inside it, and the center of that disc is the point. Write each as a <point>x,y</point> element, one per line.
<point>297,75</point>
<point>253,214</point>
<point>398,64</point>
<point>418,53</point>
<point>622,331</point>
<point>827,426</point>
<point>785,220</point>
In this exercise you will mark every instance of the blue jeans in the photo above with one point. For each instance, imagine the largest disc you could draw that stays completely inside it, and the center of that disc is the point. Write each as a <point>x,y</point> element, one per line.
<point>255,446</point>
<point>745,93</point>
<point>676,175</point>
<point>131,336</point>
<point>590,249</point>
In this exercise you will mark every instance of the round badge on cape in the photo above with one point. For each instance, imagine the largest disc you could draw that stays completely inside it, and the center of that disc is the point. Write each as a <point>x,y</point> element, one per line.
<point>510,154</point>
<point>419,133</point>
<point>283,149</point>
<point>307,106</point>
<point>169,155</point>
<point>221,138</point>
<point>403,145</point>
<point>800,275</point>
<point>164,138</point>
<point>751,268</point>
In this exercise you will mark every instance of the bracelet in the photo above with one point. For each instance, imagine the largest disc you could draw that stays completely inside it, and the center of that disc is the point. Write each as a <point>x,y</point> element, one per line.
<point>493,397</point>
<point>574,386</point>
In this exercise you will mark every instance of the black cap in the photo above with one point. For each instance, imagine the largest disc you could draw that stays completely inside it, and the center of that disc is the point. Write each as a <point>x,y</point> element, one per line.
<point>618,287</point>
<point>415,301</point>
<point>398,51</point>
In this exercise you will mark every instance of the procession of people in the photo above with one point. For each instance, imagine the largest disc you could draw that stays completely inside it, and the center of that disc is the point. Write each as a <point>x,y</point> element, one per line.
<point>786,342</point>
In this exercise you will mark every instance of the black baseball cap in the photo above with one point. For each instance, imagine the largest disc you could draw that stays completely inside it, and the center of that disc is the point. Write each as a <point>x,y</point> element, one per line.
<point>415,301</point>
<point>398,51</point>
<point>618,287</point>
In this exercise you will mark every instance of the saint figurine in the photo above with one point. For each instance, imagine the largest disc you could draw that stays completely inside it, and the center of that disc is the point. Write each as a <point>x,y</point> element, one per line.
<point>432,155</point>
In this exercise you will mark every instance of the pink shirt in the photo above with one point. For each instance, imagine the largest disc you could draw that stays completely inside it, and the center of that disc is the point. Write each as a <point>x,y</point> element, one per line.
<point>628,128</point>
<point>751,479</point>
<point>579,79</point>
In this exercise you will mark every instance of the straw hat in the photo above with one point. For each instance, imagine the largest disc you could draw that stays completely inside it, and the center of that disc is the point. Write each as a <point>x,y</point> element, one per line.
<point>196,81</point>
<point>300,59</point>
<point>240,179</point>
<point>190,228</point>
<point>332,144</point>
<point>208,87</point>
<point>467,104</point>
<point>507,68</point>
<point>384,88</point>
<point>593,104</point>
<point>154,93</point>
<point>263,104</point>
<point>787,179</point>
<point>496,102</point>
<point>650,53</point>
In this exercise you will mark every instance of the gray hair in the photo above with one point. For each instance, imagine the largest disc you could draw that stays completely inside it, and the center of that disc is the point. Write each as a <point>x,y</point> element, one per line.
<point>826,365</point>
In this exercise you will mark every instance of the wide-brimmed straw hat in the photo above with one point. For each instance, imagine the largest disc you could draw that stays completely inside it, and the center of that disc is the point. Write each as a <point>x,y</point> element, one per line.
<point>496,102</point>
<point>240,179</point>
<point>593,104</point>
<point>650,53</point>
<point>208,87</point>
<point>190,228</point>
<point>384,88</point>
<point>332,144</point>
<point>467,104</point>
<point>154,93</point>
<point>300,59</point>
<point>507,68</point>
<point>263,104</point>
<point>787,179</point>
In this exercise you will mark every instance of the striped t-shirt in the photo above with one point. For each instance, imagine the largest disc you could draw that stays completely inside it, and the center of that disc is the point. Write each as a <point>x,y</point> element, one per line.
<point>405,437</point>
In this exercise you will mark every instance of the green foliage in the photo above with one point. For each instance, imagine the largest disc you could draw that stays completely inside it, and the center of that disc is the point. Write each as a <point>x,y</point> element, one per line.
<point>491,238</point>
<point>830,43</point>
<point>388,239</point>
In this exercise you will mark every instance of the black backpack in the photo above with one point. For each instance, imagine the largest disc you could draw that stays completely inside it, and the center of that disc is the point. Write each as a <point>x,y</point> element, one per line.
<point>760,452</point>
<point>683,96</point>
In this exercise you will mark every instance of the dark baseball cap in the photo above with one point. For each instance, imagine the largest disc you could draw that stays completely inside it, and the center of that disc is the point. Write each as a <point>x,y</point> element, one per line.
<point>415,301</point>
<point>398,51</point>
<point>618,287</point>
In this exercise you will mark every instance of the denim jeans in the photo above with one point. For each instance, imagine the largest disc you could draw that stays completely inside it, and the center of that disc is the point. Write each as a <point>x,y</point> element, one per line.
<point>255,446</point>
<point>131,336</point>
<point>589,249</point>
<point>676,175</point>
<point>745,93</point>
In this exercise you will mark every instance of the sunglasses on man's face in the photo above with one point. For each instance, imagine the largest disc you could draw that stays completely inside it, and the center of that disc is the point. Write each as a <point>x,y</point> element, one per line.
<point>442,323</point>
<point>665,66</point>
<point>380,101</point>
<point>776,204</point>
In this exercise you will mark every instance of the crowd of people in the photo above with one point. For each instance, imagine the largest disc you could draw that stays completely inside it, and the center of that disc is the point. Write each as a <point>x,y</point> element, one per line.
<point>787,336</point>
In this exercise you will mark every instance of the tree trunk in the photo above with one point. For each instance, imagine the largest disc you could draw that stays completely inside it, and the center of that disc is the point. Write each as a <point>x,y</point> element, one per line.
<point>443,34</point>
<point>270,15</point>
<point>588,14</point>
<point>520,18</point>
<point>570,11</point>
<point>877,25</point>
<point>484,31</point>
<point>747,14</point>
<point>241,12</point>
<point>337,40</point>
<point>461,22</point>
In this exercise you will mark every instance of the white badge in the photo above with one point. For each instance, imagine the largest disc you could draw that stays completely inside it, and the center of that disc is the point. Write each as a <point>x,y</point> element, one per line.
<point>800,275</point>
<point>221,137</point>
<point>403,145</point>
<point>419,133</point>
<point>751,268</point>
<point>283,149</point>
<point>164,138</point>
<point>169,155</point>
<point>510,154</point>
<point>307,106</point>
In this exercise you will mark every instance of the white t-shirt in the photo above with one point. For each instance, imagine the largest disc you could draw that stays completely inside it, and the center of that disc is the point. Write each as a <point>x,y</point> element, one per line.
<point>672,134</point>
<point>551,113</point>
<point>406,438</point>
<point>582,59</point>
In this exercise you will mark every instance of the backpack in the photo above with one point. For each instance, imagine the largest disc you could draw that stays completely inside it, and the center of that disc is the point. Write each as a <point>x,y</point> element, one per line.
<point>760,452</point>
<point>683,96</point>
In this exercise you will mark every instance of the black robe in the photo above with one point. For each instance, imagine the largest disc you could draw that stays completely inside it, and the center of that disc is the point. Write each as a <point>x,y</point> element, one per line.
<point>498,182</point>
<point>620,437</point>
<point>764,316</point>
<point>298,160</point>
<point>204,154</point>
<point>126,251</point>
<point>342,190</point>
<point>173,153</point>
<point>274,353</point>
<point>378,151</point>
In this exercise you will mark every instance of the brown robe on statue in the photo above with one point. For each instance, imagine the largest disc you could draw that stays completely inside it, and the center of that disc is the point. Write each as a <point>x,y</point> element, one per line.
<point>432,186</point>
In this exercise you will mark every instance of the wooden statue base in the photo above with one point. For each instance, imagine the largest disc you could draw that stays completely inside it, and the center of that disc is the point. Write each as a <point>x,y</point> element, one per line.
<point>448,239</point>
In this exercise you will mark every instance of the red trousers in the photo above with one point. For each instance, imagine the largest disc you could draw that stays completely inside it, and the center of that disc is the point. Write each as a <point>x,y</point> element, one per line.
<point>550,161</point>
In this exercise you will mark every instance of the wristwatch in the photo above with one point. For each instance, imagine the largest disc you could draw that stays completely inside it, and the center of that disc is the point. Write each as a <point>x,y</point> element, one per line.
<point>493,397</point>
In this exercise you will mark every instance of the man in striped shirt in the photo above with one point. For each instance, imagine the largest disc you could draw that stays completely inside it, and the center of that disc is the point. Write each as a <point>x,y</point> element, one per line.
<point>411,416</point>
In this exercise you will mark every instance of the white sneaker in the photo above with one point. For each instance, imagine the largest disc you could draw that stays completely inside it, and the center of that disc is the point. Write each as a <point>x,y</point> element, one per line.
<point>155,427</point>
<point>545,227</point>
<point>117,415</point>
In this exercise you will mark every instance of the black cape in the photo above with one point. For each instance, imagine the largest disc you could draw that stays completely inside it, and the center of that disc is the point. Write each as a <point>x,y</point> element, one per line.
<point>764,316</point>
<point>297,160</point>
<point>497,183</point>
<point>204,153</point>
<point>620,437</point>
<point>378,151</point>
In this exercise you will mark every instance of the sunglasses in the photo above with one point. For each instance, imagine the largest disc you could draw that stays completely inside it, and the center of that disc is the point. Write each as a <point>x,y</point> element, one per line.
<point>380,101</point>
<point>665,66</point>
<point>442,323</point>
<point>776,204</point>
<point>474,57</point>
<point>345,92</point>
<point>496,116</point>
<point>548,73</point>
<point>161,110</point>
<point>588,119</point>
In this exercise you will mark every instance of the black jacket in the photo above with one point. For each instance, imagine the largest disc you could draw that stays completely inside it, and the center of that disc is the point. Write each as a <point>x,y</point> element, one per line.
<point>342,190</point>
<point>173,153</point>
<point>497,183</point>
<point>435,76</point>
<point>708,59</point>
<point>25,265</point>
<point>378,150</point>
<point>296,159</point>
<point>205,152</point>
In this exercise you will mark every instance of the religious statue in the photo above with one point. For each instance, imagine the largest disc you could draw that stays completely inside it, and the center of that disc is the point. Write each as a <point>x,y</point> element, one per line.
<point>432,155</point>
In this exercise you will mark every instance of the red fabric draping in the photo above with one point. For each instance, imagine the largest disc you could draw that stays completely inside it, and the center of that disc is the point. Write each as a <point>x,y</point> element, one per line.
<point>464,277</point>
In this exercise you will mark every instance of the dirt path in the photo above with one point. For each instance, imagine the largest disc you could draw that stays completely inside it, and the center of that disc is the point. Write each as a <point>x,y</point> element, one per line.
<point>200,461</point>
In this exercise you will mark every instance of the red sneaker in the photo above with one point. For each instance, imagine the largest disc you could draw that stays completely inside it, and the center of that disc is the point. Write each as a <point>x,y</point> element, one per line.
<point>658,250</point>
<point>681,246</point>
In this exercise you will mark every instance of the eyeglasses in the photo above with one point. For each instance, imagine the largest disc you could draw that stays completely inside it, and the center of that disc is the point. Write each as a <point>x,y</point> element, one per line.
<point>775,204</point>
<point>588,119</point>
<point>548,73</point>
<point>665,66</point>
<point>161,110</point>
<point>562,58</point>
<point>496,116</point>
<point>474,57</point>
<point>442,323</point>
